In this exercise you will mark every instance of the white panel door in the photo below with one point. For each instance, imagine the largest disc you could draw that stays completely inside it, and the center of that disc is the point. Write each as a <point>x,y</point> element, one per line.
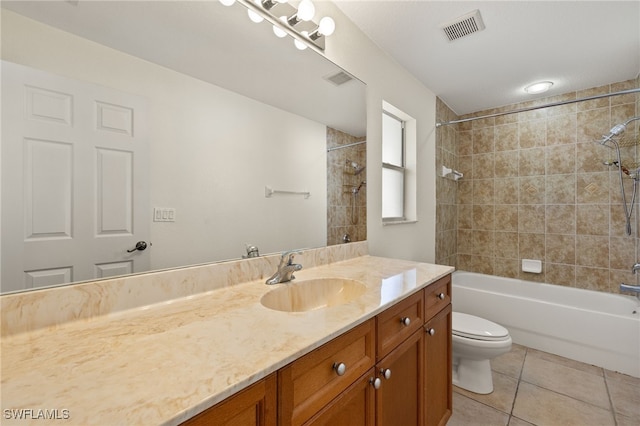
<point>75,180</point>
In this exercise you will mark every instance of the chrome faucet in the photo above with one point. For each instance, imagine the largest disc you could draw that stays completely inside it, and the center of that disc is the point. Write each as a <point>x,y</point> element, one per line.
<point>635,268</point>
<point>286,268</point>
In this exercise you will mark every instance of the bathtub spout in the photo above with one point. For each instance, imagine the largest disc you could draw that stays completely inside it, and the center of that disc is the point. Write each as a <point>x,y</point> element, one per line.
<point>632,288</point>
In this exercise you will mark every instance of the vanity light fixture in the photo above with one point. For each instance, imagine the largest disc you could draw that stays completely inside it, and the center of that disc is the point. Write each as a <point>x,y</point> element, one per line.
<point>289,20</point>
<point>539,87</point>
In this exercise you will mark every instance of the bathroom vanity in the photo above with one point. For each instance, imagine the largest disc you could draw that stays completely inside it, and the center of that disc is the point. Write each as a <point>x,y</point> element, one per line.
<point>377,373</point>
<point>222,357</point>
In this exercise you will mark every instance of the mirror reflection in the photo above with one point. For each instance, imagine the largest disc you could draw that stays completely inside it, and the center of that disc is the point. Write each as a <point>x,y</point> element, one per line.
<point>182,125</point>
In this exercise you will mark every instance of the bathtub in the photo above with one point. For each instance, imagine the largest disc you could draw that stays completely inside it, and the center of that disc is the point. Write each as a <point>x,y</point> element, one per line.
<point>597,328</point>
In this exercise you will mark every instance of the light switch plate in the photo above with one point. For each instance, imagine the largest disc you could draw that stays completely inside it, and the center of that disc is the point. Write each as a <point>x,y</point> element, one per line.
<point>164,214</point>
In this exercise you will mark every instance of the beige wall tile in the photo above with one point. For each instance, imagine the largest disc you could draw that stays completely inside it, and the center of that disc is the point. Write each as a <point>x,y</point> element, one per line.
<point>592,251</point>
<point>560,249</point>
<point>560,159</point>
<point>561,219</point>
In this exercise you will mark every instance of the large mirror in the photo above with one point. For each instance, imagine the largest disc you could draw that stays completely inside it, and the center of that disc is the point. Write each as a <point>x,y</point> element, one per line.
<point>182,125</point>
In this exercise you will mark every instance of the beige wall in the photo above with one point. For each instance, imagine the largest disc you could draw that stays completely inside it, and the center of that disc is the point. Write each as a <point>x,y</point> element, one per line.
<point>535,187</point>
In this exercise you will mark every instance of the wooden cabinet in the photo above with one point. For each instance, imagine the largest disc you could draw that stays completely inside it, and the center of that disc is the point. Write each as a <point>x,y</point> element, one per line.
<point>354,407</point>
<point>311,382</point>
<point>438,396</point>
<point>398,322</point>
<point>394,369</point>
<point>399,398</point>
<point>255,405</point>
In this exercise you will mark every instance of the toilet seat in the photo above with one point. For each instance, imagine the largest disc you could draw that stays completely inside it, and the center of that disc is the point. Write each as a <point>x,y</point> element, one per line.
<point>472,327</point>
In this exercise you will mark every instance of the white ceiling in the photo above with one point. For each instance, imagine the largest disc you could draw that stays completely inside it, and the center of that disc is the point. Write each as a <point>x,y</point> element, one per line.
<point>575,44</point>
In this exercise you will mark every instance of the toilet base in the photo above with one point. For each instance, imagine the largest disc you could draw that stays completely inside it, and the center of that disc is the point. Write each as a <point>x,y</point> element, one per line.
<point>473,375</point>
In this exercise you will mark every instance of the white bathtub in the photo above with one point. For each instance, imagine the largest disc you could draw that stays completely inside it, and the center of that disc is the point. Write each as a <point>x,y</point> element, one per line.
<point>597,328</point>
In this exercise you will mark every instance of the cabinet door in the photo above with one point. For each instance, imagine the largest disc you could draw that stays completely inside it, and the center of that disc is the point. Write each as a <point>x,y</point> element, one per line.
<point>398,400</point>
<point>354,407</point>
<point>255,405</point>
<point>438,390</point>
<point>311,382</point>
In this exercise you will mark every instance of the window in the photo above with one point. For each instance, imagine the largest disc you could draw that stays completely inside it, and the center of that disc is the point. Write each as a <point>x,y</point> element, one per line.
<point>393,168</point>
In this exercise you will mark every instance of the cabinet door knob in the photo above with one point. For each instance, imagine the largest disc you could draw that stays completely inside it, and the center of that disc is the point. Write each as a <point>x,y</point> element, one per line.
<point>405,321</point>
<point>340,368</point>
<point>375,382</point>
<point>441,296</point>
<point>431,331</point>
<point>386,373</point>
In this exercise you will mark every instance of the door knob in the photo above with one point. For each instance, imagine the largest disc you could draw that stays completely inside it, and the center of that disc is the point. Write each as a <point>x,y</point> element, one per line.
<point>140,245</point>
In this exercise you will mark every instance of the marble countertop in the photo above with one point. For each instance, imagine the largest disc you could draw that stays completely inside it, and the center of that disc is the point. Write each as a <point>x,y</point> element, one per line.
<point>164,363</point>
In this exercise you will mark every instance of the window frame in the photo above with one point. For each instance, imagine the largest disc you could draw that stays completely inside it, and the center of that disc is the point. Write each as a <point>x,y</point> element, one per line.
<point>402,169</point>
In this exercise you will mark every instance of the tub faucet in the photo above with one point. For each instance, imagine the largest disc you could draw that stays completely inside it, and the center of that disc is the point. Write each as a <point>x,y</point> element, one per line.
<point>286,268</point>
<point>635,268</point>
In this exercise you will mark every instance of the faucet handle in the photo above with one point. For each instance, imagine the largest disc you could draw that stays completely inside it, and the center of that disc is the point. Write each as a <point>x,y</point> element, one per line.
<point>288,255</point>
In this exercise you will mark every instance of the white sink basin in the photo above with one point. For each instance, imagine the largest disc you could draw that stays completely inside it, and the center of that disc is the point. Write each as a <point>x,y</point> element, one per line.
<point>307,295</point>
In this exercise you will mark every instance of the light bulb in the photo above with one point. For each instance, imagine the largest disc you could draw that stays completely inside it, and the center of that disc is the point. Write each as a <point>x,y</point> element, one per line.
<point>279,31</point>
<point>253,15</point>
<point>227,2</point>
<point>306,10</point>
<point>300,45</point>
<point>327,26</point>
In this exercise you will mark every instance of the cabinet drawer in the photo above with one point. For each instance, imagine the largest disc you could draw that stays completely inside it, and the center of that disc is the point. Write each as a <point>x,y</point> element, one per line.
<point>437,296</point>
<point>311,382</point>
<point>393,327</point>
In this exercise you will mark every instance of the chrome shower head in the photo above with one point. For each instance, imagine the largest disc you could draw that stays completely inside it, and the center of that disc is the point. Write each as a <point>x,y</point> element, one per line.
<point>357,168</point>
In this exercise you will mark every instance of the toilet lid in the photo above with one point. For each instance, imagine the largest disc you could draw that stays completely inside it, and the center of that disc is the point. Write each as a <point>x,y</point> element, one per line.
<point>473,327</point>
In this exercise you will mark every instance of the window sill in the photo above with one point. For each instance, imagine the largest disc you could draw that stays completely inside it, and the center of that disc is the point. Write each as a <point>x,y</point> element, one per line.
<point>399,222</point>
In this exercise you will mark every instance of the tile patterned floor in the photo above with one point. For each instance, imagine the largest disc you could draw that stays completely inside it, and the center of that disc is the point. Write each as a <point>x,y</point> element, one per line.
<point>537,388</point>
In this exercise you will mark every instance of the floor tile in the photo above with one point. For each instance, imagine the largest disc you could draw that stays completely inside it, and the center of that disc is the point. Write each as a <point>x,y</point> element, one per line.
<point>544,407</point>
<point>625,394</point>
<point>576,383</point>
<point>510,363</point>
<point>514,421</point>
<point>467,412</point>
<point>587,368</point>
<point>503,395</point>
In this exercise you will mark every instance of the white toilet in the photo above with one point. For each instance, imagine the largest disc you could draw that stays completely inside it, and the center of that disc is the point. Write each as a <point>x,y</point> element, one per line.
<point>475,342</point>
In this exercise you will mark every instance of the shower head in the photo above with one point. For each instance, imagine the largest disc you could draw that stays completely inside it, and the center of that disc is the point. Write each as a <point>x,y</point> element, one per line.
<point>617,130</point>
<point>357,168</point>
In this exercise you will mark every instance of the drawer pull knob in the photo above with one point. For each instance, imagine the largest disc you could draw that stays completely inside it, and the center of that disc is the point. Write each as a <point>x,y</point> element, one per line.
<point>340,368</point>
<point>431,331</point>
<point>405,321</point>
<point>441,296</point>
<point>375,382</point>
<point>386,373</point>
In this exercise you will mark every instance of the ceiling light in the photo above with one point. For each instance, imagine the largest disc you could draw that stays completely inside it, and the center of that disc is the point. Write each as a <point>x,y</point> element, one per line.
<point>288,19</point>
<point>227,2</point>
<point>539,87</point>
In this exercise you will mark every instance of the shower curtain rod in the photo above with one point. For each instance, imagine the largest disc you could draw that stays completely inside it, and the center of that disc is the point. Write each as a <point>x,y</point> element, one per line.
<point>346,146</point>
<point>498,114</point>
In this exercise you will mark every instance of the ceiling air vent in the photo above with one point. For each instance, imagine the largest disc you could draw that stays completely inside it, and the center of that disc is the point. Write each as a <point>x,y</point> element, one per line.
<point>339,78</point>
<point>463,26</point>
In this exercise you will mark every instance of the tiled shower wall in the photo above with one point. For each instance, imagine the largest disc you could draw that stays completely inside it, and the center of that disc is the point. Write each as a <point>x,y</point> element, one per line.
<point>346,213</point>
<point>535,187</point>
<point>446,189</point>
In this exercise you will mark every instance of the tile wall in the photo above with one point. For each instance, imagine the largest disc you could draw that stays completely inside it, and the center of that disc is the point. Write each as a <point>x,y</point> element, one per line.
<point>342,217</point>
<point>535,187</point>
